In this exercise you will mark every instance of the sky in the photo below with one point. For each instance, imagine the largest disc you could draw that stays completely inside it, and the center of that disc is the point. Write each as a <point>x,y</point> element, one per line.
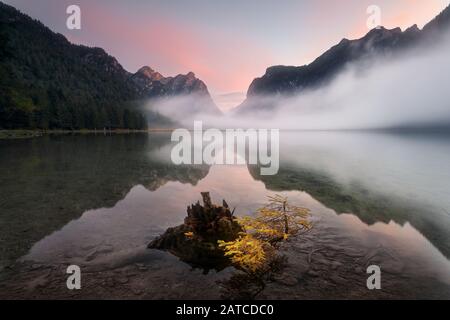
<point>225,43</point>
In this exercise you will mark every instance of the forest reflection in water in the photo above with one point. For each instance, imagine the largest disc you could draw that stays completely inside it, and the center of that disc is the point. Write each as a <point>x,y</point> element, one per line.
<point>98,200</point>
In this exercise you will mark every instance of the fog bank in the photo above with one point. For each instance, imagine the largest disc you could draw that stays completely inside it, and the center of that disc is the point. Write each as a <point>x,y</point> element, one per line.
<point>411,89</point>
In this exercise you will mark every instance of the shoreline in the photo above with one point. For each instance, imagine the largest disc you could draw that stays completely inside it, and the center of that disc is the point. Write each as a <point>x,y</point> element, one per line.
<point>29,134</point>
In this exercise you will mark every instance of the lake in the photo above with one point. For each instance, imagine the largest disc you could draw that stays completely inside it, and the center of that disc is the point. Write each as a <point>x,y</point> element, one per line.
<point>97,201</point>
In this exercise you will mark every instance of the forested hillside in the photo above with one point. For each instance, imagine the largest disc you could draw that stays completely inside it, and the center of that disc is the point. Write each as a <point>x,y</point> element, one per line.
<point>46,82</point>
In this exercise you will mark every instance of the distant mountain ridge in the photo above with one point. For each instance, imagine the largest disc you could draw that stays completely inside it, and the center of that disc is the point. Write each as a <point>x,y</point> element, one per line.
<point>377,42</point>
<point>151,84</point>
<point>46,82</point>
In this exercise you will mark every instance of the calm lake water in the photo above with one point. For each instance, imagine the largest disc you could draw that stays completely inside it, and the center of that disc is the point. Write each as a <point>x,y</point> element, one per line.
<point>97,201</point>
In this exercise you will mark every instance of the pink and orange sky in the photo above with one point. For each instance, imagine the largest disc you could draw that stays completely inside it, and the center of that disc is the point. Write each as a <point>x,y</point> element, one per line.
<point>225,43</point>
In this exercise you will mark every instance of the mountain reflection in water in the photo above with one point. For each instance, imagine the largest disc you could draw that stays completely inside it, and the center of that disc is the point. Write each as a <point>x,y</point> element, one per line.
<point>98,200</point>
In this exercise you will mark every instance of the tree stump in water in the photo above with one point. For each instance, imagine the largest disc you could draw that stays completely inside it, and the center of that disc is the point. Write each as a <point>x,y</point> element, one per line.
<point>195,241</point>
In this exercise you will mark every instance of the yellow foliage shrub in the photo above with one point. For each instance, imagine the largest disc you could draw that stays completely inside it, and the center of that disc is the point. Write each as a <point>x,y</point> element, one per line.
<point>246,252</point>
<point>273,223</point>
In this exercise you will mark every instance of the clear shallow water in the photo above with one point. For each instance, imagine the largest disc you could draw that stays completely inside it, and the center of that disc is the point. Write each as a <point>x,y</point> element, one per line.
<point>97,201</point>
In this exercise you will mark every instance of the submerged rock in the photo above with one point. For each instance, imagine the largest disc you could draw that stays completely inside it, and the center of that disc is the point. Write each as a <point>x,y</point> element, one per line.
<point>195,241</point>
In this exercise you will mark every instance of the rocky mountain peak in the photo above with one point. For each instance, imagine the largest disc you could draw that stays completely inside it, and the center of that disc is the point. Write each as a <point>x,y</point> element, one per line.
<point>149,73</point>
<point>440,23</point>
<point>378,42</point>
<point>413,28</point>
<point>151,84</point>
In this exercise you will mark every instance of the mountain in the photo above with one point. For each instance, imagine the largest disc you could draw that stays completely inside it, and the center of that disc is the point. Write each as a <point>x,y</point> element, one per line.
<point>439,24</point>
<point>152,84</point>
<point>46,82</point>
<point>379,42</point>
<point>285,79</point>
